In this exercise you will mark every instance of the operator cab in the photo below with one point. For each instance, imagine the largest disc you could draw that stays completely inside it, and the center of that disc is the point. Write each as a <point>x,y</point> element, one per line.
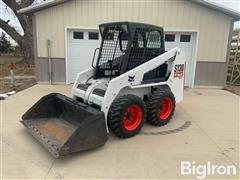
<point>126,45</point>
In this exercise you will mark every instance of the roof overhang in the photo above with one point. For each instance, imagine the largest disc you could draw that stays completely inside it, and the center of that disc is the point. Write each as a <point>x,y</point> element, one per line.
<point>223,9</point>
<point>44,5</point>
<point>210,5</point>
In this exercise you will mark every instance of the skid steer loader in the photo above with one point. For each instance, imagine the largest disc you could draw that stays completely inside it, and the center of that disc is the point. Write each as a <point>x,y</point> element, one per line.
<point>132,79</point>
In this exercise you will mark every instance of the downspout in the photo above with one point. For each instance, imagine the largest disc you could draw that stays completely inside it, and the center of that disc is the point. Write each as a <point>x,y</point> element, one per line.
<point>49,61</point>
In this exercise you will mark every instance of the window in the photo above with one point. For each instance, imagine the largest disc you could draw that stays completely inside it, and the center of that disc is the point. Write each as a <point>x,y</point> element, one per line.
<point>185,38</point>
<point>124,36</point>
<point>140,40</point>
<point>109,35</point>
<point>154,40</point>
<point>77,35</point>
<point>93,35</point>
<point>170,37</point>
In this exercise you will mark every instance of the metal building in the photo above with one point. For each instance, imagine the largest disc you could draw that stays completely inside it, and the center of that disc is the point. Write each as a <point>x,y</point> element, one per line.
<point>202,29</point>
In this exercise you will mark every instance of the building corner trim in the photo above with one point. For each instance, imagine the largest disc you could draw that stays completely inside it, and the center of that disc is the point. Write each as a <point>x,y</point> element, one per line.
<point>229,48</point>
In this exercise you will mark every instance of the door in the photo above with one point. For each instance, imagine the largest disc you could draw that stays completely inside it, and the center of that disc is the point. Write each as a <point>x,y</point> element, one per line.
<point>81,47</point>
<point>184,41</point>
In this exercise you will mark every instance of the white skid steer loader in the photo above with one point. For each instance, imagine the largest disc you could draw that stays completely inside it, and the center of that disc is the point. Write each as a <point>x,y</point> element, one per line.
<point>132,79</point>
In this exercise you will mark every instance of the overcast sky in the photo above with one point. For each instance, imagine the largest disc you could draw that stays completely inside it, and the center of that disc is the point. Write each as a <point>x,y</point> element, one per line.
<point>6,14</point>
<point>233,4</point>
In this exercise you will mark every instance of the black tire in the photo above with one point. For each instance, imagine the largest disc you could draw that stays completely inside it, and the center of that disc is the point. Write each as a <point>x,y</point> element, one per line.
<point>156,106</point>
<point>118,111</point>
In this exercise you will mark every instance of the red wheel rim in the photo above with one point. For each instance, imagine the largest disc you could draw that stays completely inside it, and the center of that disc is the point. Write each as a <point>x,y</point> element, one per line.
<point>132,117</point>
<point>165,108</point>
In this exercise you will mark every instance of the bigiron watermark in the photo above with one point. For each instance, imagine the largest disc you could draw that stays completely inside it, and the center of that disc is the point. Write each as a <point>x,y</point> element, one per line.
<point>201,171</point>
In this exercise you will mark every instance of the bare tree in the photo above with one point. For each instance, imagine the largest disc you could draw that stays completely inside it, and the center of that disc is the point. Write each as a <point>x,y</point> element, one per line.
<point>24,41</point>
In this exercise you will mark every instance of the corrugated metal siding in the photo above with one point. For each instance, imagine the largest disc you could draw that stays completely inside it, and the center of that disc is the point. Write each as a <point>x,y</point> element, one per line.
<point>58,69</point>
<point>210,74</point>
<point>172,14</point>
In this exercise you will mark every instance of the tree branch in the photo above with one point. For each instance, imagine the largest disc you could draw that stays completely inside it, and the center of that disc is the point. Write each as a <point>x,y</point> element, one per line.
<point>14,6</point>
<point>25,3</point>
<point>10,31</point>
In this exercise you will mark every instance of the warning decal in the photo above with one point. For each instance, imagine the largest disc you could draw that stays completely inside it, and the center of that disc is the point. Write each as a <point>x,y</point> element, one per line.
<point>178,70</point>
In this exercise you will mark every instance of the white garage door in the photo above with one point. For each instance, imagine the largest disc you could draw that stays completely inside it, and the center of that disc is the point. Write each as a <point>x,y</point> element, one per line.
<point>81,47</point>
<point>185,41</point>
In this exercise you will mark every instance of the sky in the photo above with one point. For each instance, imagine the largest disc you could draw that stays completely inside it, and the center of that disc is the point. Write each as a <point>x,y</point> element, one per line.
<point>233,4</point>
<point>6,14</point>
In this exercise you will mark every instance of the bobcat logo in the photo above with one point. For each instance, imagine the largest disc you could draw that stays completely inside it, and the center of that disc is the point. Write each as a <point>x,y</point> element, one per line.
<point>131,78</point>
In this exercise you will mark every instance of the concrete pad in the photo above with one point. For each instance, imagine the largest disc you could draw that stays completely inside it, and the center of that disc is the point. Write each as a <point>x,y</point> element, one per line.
<point>205,128</point>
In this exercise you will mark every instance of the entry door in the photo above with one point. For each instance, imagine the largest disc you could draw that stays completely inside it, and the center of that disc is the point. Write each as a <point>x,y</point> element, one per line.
<point>81,47</point>
<point>185,42</point>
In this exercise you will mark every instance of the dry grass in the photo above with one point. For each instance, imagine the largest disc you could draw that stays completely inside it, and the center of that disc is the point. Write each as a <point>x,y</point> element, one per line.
<point>19,84</point>
<point>233,89</point>
<point>20,69</point>
<point>6,58</point>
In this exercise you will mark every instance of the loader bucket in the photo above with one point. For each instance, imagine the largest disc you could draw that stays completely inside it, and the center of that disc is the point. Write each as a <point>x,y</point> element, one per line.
<point>64,125</point>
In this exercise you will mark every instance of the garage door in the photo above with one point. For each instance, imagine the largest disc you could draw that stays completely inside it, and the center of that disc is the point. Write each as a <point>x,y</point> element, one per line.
<point>81,47</point>
<point>184,41</point>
